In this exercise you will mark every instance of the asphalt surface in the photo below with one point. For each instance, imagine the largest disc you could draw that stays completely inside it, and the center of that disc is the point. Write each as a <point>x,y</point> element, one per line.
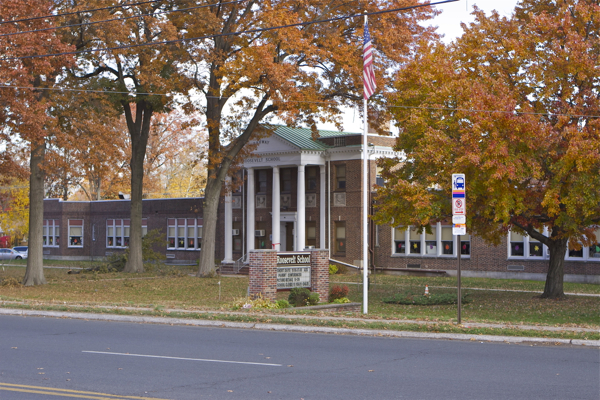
<point>60,358</point>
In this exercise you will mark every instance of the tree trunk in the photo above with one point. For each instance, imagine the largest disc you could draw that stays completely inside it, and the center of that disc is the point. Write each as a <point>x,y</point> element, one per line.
<point>139,131</point>
<point>555,276</point>
<point>34,274</point>
<point>210,209</point>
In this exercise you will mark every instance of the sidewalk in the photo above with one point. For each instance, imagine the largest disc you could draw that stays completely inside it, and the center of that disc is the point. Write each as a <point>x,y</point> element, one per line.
<point>314,329</point>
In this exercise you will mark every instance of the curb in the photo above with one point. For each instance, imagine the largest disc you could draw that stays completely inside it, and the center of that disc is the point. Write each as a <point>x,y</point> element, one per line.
<point>299,328</point>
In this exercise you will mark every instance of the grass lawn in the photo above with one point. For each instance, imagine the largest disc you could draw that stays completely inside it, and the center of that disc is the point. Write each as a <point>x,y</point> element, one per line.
<point>173,288</point>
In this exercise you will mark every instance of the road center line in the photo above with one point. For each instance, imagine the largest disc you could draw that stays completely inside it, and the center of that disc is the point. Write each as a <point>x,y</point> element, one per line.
<point>67,392</point>
<point>180,358</point>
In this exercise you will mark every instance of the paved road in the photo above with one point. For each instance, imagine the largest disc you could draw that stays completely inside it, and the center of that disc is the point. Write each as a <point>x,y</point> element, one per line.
<point>40,358</point>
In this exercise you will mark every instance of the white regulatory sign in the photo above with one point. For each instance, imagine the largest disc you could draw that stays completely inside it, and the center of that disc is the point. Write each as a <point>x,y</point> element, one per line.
<point>459,229</point>
<point>458,206</point>
<point>459,219</point>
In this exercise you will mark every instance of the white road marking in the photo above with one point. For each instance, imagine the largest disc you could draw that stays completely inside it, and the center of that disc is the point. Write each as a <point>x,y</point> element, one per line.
<point>180,358</point>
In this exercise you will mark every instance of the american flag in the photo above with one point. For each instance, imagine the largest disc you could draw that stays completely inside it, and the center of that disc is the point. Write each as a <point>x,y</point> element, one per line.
<point>368,73</point>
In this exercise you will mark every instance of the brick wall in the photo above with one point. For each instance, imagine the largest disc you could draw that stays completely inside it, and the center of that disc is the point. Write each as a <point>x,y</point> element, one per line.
<point>263,273</point>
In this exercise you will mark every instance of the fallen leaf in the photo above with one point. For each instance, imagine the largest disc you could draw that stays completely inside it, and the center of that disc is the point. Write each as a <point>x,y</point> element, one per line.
<point>230,391</point>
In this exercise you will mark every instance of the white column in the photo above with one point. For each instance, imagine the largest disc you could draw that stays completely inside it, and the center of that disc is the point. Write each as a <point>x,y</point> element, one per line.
<point>322,211</point>
<point>250,211</point>
<point>275,213</point>
<point>301,202</point>
<point>228,258</point>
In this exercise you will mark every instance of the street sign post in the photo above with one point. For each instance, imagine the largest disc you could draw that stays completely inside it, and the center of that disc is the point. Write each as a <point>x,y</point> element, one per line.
<point>459,221</point>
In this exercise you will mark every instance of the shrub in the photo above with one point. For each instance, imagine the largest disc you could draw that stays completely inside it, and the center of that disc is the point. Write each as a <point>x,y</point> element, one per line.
<point>313,299</point>
<point>256,302</point>
<point>282,304</point>
<point>299,297</point>
<point>343,300</point>
<point>337,292</point>
<point>333,269</point>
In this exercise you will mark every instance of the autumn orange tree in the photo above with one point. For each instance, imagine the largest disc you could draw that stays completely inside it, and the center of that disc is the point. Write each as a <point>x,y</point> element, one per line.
<point>128,59</point>
<point>25,105</point>
<point>514,104</point>
<point>245,73</point>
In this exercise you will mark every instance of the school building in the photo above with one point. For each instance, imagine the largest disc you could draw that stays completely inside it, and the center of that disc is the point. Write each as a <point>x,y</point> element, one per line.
<point>299,192</point>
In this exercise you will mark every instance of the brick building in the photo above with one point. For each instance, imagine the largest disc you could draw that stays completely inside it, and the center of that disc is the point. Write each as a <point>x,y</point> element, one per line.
<point>292,178</point>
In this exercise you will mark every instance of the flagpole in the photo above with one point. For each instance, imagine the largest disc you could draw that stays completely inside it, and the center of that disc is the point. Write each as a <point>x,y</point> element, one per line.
<point>365,208</point>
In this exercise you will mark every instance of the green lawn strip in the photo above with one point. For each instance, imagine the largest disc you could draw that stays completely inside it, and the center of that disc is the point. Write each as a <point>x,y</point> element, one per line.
<point>366,324</point>
<point>174,288</point>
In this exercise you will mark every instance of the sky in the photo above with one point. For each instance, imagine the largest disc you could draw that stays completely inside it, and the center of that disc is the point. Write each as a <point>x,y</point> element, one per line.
<point>448,23</point>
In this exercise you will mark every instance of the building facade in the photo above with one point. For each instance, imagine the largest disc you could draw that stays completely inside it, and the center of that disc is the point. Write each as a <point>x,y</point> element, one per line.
<point>300,192</point>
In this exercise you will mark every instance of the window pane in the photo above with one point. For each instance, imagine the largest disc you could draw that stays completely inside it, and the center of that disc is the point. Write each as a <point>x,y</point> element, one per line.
<point>447,247</point>
<point>414,234</point>
<point>399,233</point>
<point>447,233</point>
<point>535,249</point>
<point>171,231</point>
<point>199,232</point>
<point>75,231</point>
<point>400,247</point>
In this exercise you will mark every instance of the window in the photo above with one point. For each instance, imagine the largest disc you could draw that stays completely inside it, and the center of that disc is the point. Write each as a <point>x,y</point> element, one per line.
<point>237,239</point>
<point>311,178</point>
<point>524,246</point>
<point>447,241</point>
<point>465,245</point>
<point>517,243</point>
<point>340,237</point>
<point>117,232</point>
<point>184,233</point>
<point>439,243</point>
<point>415,241</point>
<point>75,233</point>
<point>51,233</point>
<point>340,177</point>
<point>400,240</point>
<point>286,180</point>
<point>339,142</point>
<point>431,243</point>
<point>586,253</point>
<point>262,181</point>
<point>311,233</point>
<point>378,178</point>
<point>535,248</point>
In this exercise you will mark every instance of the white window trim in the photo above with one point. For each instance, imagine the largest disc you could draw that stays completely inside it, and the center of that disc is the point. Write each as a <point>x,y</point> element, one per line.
<point>79,246</point>
<point>198,239</point>
<point>423,241</point>
<point>545,253</point>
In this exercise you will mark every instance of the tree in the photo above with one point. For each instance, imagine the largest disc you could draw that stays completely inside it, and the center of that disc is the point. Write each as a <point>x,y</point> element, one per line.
<point>24,111</point>
<point>300,74</point>
<point>138,71</point>
<point>14,208</point>
<point>513,104</point>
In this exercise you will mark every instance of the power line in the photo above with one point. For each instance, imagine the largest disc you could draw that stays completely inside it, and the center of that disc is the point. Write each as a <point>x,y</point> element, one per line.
<point>120,19</point>
<point>77,12</point>
<point>469,110</point>
<point>257,30</point>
